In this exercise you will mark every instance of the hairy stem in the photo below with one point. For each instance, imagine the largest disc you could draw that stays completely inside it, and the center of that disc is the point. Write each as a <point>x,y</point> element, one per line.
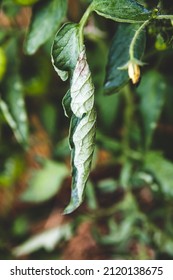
<point>135,38</point>
<point>82,23</point>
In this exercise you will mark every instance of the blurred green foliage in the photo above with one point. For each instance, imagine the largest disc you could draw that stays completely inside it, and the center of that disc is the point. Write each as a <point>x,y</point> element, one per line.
<point>127,210</point>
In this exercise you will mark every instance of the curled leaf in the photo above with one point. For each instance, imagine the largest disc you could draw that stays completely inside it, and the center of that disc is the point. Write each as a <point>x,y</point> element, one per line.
<point>82,130</point>
<point>82,138</point>
<point>65,49</point>
<point>82,89</point>
<point>78,104</point>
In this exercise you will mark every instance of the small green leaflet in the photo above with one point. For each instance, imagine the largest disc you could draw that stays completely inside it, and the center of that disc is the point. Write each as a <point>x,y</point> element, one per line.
<point>46,18</point>
<point>121,10</point>
<point>162,169</point>
<point>119,55</point>
<point>11,169</point>
<point>65,49</point>
<point>82,130</point>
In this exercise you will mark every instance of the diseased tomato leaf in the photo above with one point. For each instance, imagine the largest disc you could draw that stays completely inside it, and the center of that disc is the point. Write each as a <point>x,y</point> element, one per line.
<point>65,49</point>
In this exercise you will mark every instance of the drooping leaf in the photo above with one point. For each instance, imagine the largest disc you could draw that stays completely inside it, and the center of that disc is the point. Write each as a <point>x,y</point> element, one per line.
<point>152,93</point>
<point>65,49</point>
<point>78,104</point>
<point>82,131</point>
<point>119,55</point>
<point>82,89</point>
<point>12,99</point>
<point>121,10</point>
<point>82,144</point>
<point>46,182</point>
<point>47,239</point>
<point>46,18</point>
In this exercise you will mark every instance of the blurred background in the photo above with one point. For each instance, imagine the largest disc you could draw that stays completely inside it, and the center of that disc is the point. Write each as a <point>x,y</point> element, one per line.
<point>128,210</point>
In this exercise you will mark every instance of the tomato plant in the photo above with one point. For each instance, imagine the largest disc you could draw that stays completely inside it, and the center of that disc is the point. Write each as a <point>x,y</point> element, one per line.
<point>109,62</point>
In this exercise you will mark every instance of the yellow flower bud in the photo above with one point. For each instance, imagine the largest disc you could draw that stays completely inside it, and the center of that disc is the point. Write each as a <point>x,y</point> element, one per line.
<point>134,72</point>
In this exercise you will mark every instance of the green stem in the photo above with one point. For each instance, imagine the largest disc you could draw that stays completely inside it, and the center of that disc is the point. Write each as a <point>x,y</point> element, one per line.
<point>169,17</point>
<point>135,38</point>
<point>82,23</point>
<point>128,116</point>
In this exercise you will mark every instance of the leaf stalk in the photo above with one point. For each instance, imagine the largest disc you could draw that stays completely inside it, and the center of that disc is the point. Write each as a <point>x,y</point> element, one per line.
<point>82,23</point>
<point>135,38</point>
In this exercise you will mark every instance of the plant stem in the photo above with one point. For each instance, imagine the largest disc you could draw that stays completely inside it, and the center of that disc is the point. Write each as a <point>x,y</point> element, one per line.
<point>132,45</point>
<point>128,115</point>
<point>159,17</point>
<point>82,23</point>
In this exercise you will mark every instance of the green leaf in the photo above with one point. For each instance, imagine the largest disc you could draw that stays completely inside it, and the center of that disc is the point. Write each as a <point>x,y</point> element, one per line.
<point>12,169</point>
<point>12,100</point>
<point>82,130</point>
<point>46,182</point>
<point>164,242</point>
<point>152,93</point>
<point>13,109</point>
<point>162,170</point>
<point>119,55</point>
<point>47,239</point>
<point>121,10</point>
<point>65,49</point>
<point>46,18</point>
